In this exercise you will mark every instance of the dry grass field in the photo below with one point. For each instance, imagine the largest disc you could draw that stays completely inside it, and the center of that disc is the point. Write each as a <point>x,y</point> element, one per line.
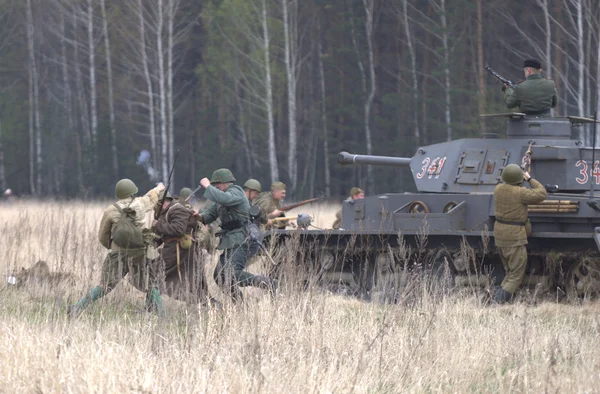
<point>298,342</point>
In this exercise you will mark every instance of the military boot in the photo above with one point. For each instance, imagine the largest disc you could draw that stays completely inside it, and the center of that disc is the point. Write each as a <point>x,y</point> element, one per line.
<point>75,310</point>
<point>262,282</point>
<point>501,296</point>
<point>154,303</point>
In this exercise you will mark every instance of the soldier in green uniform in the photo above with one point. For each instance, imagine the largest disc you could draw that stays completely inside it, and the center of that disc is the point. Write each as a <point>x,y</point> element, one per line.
<point>535,95</point>
<point>182,268</point>
<point>232,207</point>
<point>512,226</point>
<point>356,193</point>
<point>122,259</point>
<point>252,190</point>
<point>270,202</point>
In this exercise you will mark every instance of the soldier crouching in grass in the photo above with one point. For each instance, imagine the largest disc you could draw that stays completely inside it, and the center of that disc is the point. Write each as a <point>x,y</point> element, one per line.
<point>183,270</point>
<point>512,226</point>
<point>121,233</point>
<point>232,207</point>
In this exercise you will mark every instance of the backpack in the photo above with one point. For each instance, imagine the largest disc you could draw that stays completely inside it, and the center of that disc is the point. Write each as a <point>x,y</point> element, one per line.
<point>125,234</point>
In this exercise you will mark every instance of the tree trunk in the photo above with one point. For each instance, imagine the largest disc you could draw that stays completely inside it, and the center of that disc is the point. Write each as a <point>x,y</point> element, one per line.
<point>274,167</point>
<point>413,69</point>
<point>92,57</point>
<point>34,115</point>
<point>327,173</point>
<point>171,15</point>
<point>150,90</point>
<point>369,6</point>
<point>481,65</point>
<point>3,185</point>
<point>111,104</point>
<point>161,92</point>
<point>447,111</point>
<point>289,31</point>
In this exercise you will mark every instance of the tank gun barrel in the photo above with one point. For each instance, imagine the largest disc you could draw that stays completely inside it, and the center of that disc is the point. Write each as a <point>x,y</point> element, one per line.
<point>349,158</point>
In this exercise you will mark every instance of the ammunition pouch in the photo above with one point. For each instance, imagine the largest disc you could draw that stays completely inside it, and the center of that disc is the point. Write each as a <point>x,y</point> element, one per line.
<point>232,225</point>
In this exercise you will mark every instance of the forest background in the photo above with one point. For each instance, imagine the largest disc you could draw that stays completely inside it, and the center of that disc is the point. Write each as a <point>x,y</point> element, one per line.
<point>92,91</point>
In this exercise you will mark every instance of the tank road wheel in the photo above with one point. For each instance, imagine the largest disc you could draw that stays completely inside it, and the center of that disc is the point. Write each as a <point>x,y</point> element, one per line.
<point>583,279</point>
<point>418,207</point>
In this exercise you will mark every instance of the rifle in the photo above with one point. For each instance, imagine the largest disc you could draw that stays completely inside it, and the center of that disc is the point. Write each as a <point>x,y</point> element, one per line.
<point>526,160</point>
<point>164,197</point>
<point>192,194</point>
<point>499,77</point>
<point>299,204</point>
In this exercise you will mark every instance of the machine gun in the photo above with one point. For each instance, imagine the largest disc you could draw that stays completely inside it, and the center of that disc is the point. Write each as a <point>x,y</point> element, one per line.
<point>499,77</point>
<point>299,204</point>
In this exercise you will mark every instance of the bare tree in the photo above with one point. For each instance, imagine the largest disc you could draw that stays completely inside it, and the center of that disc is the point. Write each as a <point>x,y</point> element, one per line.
<point>274,166</point>
<point>290,31</point>
<point>92,65</point>
<point>326,170</point>
<point>35,134</point>
<point>111,102</point>
<point>480,68</point>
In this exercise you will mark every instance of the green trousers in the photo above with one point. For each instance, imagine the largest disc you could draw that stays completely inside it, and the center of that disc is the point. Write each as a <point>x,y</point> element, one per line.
<point>514,260</point>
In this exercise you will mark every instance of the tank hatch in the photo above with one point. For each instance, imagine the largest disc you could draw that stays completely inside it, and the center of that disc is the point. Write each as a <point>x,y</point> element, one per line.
<point>481,166</point>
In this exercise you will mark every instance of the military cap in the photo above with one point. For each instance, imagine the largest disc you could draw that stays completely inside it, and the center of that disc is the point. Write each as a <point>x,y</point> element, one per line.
<point>532,63</point>
<point>277,186</point>
<point>222,175</point>
<point>253,184</point>
<point>356,190</point>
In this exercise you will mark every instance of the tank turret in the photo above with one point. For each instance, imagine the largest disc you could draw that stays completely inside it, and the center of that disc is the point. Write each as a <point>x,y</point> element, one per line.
<point>475,164</point>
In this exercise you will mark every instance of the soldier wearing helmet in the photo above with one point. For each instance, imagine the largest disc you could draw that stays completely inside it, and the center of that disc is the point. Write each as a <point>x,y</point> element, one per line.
<point>252,190</point>
<point>183,269</point>
<point>232,207</point>
<point>356,193</point>
<point>184,194</point>
<point>512,226</point>
<point>123,259</point>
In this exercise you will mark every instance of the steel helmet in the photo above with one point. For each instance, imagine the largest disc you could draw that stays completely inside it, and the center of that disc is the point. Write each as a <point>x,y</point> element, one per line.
<point>222,175</point>
<point>125,188</point>
<point>512,174</point>
<point>253,184</point>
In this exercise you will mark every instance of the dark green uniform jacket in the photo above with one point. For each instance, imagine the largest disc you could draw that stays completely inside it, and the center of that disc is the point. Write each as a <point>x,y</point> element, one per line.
<point>510,204</point>
<point>232,207</point>
<point>534,95</point>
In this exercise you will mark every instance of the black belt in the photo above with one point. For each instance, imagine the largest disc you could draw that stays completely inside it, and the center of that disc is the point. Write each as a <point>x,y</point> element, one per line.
<point>522,224</point>
<point>538,113</point>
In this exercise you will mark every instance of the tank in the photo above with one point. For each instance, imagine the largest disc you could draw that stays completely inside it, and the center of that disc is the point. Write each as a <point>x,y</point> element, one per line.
<point>448,225</point>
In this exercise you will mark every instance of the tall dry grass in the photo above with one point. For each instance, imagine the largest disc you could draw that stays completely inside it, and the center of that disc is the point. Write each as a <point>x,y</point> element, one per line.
<point>298,342</point>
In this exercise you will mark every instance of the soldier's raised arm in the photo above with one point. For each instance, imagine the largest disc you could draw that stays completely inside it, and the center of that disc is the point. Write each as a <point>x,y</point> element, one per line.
<point>150,199</point>
<point>536,194</point>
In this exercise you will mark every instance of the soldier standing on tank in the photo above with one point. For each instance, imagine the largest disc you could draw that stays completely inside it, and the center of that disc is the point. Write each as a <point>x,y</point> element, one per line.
<point>270,202</point>
<point>252,190</point>
<point>512,226</point>
<point>119,261</point>
<point>232,207</point>
<point>356,193</point>
<point>535,95</point>
<point>183,271</point>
